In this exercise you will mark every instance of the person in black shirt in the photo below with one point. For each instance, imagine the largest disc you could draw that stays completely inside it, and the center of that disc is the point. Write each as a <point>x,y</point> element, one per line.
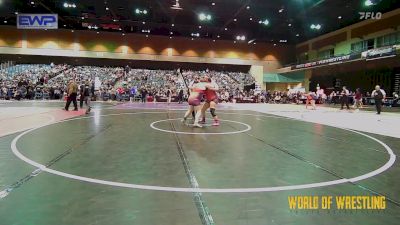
<point>345,97</point>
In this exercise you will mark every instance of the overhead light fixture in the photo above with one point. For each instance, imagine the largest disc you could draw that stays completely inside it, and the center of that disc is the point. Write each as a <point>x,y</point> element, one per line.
<point>251,18</point>
<point>226,28</point>
<point>241,38</point>
<point>204,17</point>
<point>264,22</point>
<point>315,26</point>
<point>195,34</point>
<point>368,3</point>
<point>141,11</point>
<point>248,7</point>
<point>176,6</point>
<point>172,25</point>
<point>218,36</point>
<point>213,3</point>
<point>281,10</point>
<point>235,19</point>
<point>199,27</point>
<point>339,17</point>
<point>68,5</point>
<point>297,35</point>
<point>289,25</point>
<point>213,40</point>
<point>32,2</point>
<point>282,41</point>
<point>107,8</point>
<point>5,21</point>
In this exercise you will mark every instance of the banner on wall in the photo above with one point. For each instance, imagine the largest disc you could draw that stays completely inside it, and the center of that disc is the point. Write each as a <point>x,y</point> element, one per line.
<point>379,53</point>
<point>37,21</point>
<point>334,60</point>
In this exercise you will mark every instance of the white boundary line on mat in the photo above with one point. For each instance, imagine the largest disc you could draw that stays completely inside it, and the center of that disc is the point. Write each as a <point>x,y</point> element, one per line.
<point>386,166</point>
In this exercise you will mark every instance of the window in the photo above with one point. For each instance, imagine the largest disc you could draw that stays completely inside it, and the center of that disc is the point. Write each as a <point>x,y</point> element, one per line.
<point>389,39</point>
<point>362,45</point>
<point>326,54</point>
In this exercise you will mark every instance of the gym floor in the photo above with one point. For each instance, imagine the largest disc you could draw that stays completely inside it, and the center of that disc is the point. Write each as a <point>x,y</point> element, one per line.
<point>135,164</point>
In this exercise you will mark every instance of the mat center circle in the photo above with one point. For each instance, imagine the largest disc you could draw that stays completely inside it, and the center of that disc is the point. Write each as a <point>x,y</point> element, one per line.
<point>195,130</point>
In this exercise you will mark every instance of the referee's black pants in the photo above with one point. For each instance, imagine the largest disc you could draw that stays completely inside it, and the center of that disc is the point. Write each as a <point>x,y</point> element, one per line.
<point>345,100</point>
<point>378,105</point>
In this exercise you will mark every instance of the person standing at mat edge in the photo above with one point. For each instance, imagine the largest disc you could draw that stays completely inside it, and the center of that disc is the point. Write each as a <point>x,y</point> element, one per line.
<point>72,92</point>
<point>379,96</point>
<point>344,98</point>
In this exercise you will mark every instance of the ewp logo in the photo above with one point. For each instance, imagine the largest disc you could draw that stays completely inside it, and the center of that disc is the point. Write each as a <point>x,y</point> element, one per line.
<point>37,21</point>
<point>370,15</point>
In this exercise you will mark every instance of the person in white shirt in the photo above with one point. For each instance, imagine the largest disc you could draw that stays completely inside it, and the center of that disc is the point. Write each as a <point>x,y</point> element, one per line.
<point>379,96</point>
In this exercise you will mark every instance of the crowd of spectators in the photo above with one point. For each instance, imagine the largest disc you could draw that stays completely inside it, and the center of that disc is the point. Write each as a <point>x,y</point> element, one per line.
<point>124,84</point>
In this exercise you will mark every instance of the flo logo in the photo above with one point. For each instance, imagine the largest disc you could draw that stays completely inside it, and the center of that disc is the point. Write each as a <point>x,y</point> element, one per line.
<point>370,15</point>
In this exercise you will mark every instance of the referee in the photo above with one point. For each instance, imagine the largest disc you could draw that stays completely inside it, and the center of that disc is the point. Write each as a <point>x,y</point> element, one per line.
<point>379,95</point>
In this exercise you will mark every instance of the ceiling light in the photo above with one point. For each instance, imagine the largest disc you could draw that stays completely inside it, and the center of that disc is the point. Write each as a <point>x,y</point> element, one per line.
<point>218,36</point>
<point>32,3</point>
<point>204,17</point>
<point>289,24</point>
<point>297,35</point>
<point>141,11</point>
<point>5,21</point>
<point>147,35</point>
<point>265,22</point>
<point>226,28</point>
<point>199,27</point>
<point>170,37</point>
<point>171,32</point>
<point>274,44</point>
<point>73,5</point>
<point>107,8</point>
<point>251,19</point>
<point>65,25</point>
<point>368,3</point>
<point>123,34</point>
<point>235,19</point>
<point>192,39</point>
<point>143,22</point>
<point>98,32</point>
<point>240,37</point>
<point>339,17</point>
<point>247,7</point>
<point>173,25</point>
<point>213,3</point>
<point>65,5</point>
<point>176,6</point>
<point>315,26</point>
<point>72,31</point>
<point>213,40</point>
<point>281,10</point>
<point>16,13</point>
<point>282,41</point>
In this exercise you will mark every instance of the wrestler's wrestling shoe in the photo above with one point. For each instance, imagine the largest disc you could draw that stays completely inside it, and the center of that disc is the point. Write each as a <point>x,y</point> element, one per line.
<point>197,125</point>
<point>216,123</point>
